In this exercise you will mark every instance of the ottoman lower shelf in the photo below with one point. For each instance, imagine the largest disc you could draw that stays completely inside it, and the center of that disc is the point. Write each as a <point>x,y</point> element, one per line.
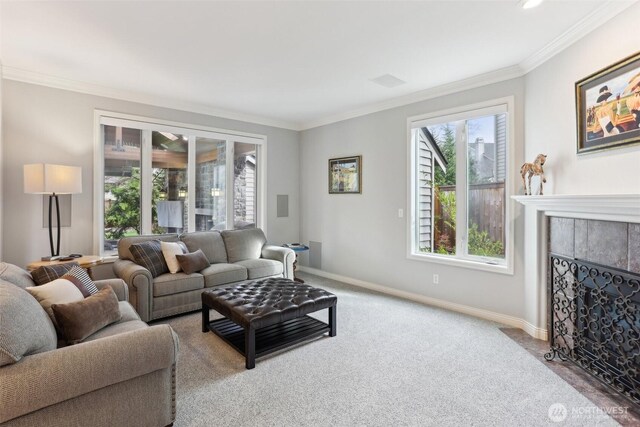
<point>270,338</point>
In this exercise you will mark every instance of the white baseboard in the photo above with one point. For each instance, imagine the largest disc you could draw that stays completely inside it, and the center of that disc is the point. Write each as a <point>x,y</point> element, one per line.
<point>505,319</point>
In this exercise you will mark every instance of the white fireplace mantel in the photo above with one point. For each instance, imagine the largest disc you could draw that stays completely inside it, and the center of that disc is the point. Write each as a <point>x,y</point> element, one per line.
<point>610,207</point>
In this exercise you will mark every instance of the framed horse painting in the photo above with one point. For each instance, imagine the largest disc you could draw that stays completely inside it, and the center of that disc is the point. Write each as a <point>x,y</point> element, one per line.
<point>608,106</point>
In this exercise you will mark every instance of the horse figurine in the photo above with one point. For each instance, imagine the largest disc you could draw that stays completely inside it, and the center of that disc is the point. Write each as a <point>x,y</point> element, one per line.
<point>533,169</point>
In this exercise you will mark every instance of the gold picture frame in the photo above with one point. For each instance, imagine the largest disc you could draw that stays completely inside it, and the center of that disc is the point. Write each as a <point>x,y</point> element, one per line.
<point>345,175</point>
<point>608,107</point>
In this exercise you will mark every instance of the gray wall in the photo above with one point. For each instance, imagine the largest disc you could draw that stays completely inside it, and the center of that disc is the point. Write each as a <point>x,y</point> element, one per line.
<point>362,236</point>
<point>551,114</point>
<point>49,125</point>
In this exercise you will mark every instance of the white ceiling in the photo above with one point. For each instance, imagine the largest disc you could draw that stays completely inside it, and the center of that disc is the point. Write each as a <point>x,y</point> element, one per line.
<point>294,64</point>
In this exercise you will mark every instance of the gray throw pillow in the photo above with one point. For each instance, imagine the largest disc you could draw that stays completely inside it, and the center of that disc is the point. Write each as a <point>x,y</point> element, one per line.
<point>26,328</point>
<point>16,275</point>
<point>195,261</point>
<point>149,255</point>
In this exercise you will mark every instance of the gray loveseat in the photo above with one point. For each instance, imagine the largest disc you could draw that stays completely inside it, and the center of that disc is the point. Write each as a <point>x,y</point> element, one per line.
<point>234,256</point>
<point>123,370</point>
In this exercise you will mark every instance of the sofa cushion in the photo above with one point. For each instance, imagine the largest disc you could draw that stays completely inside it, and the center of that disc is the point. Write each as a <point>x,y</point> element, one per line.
<point>243,244</point>
<point>125,243</point>
<point>79,276</point>
<point>220,274</point>
<point>257,268</point>
<point>210,242</point>
<point>78,320</point>
<point>26,328</point>
<point>48,273</point>
<point>193,262</point>
<point>169,284</point>
<point>116,329</point>
<point>148,254</point>
<point>127,311</point>
<point>59,291</point>
<point>15,275</point>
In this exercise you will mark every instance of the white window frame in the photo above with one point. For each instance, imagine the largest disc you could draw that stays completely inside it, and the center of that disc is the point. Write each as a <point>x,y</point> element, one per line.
<point>462,113</point>
<point>102,117</point>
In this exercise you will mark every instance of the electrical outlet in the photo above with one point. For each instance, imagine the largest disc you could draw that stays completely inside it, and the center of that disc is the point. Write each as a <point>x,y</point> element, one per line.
<point>436,279</point>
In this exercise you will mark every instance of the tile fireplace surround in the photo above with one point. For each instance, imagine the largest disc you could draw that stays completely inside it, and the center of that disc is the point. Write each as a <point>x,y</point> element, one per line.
<point>624,208</point>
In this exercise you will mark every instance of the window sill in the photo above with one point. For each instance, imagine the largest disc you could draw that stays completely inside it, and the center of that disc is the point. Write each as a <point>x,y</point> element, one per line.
<point>464,263</point>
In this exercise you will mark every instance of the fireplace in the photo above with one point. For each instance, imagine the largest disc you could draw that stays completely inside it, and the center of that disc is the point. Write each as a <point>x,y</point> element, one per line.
<point>582,261</point>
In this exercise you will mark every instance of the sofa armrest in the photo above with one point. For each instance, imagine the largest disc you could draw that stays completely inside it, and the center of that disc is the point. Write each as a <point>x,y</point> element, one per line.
<point>285,255</point>
<point>140,282</point>
<point>118,285</point>
<point>48,378</point>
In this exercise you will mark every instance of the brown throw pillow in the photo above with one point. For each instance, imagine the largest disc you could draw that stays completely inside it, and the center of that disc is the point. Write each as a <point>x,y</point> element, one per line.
<point>78,320</point>
<point>49,273</point>
<point>195,261</point>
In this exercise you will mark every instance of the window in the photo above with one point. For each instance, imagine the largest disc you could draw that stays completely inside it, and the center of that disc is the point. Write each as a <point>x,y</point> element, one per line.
<point>155,178</point>
<point>460,215</point>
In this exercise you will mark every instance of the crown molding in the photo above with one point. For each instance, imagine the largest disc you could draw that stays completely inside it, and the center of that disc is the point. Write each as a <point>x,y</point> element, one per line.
<point>25,76</point>
<point>423,95</point>
<point>599,16</point>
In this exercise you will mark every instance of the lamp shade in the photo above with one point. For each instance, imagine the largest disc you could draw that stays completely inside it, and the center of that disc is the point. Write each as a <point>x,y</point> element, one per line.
<point>40,178</point>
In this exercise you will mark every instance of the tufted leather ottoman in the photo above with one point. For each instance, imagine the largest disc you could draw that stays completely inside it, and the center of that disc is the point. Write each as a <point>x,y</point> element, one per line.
<point>263,316</point>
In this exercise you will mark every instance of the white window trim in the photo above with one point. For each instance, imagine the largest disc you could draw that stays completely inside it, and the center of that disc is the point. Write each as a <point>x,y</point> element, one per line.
<point>101,117</point>
<point>457,113</point>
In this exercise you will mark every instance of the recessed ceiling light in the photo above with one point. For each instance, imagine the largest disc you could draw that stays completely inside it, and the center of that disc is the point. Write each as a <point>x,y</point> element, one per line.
<point>388,80</point>
<point>528,4</point>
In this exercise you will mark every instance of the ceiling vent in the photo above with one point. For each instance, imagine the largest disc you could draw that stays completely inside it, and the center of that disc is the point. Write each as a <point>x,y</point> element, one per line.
<point>388,80</point>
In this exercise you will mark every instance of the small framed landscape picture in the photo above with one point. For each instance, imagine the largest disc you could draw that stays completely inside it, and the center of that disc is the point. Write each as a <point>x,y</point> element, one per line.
<point>345,175</point>
<point>608,106</point>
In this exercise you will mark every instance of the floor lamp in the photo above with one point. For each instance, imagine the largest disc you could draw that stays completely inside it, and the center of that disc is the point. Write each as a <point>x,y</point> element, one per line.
<point>53,180</point>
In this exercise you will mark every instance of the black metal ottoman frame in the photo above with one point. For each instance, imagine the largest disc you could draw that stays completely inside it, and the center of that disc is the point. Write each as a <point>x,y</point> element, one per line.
<point>257,342</point>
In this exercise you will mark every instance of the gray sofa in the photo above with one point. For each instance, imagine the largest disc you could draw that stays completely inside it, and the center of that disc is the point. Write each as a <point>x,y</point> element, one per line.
<point>234,256</point>
<point>125,369</point>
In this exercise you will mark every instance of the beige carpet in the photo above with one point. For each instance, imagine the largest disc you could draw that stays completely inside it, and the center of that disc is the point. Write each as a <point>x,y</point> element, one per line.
<point>394,362</point>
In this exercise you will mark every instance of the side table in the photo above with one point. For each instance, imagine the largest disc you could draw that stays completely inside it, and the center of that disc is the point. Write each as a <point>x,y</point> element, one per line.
<point>297,248</point>
<point>85,262</point>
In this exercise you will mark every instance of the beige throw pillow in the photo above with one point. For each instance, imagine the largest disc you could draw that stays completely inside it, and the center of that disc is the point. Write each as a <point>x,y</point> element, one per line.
<point>59,291</point>
<point>169,251</point>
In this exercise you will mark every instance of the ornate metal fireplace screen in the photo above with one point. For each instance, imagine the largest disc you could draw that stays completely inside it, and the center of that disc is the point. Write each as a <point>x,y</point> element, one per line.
<point>594,315</point>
